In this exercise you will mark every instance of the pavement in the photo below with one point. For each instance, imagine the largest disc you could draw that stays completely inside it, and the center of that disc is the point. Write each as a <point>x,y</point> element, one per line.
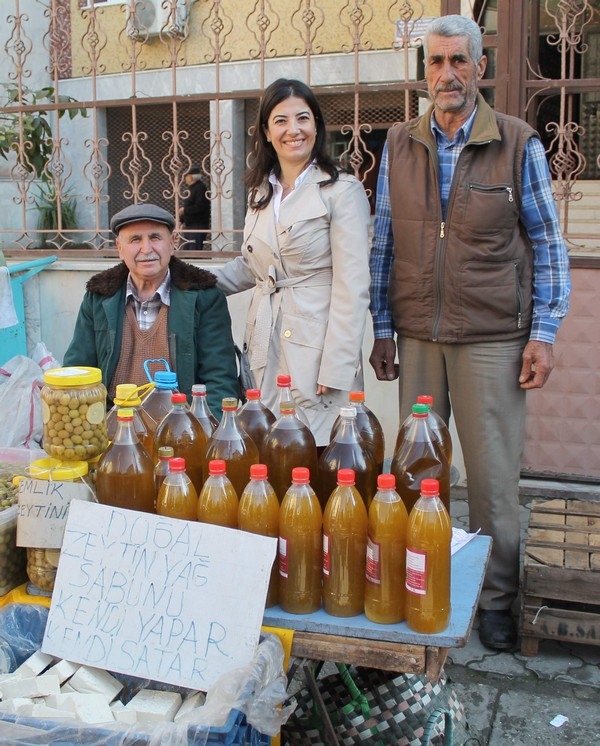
<point>513,699</point>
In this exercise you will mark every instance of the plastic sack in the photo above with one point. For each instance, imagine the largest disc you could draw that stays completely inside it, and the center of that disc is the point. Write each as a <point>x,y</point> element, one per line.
<point>21,633</point>
<point>21,380</point>
<point>257,690</point>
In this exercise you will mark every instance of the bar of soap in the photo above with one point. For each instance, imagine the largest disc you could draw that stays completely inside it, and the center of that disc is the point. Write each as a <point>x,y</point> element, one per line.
<point>43,711</point>
<point>189,706</point>
<point>64,670</point>
<point>88,680</point>
<point>91,708</point>
<point>17,706</point>
<point>34,665</point>
<point>39,686</point>
<point>152,706</point>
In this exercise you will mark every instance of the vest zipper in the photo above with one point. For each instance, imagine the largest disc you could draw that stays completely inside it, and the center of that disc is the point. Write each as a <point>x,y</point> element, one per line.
<point>519,299</point>
<point>500,188</point>
<point>442,226</point>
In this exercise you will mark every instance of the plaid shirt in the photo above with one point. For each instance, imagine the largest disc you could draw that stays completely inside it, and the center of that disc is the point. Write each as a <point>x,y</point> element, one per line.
<point>146,312</point>
<point>539,216</point>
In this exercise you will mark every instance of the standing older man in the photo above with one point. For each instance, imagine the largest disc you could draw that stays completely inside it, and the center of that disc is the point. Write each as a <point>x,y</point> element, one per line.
<point>153,305</point>
<point>471,272</point>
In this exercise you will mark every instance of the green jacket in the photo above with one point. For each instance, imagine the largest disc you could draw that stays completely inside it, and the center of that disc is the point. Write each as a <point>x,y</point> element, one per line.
<point>201,345</point>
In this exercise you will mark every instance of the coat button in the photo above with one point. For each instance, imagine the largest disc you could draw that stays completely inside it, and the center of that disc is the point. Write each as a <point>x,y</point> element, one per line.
<point>250,249</point>
<point>287,333</point>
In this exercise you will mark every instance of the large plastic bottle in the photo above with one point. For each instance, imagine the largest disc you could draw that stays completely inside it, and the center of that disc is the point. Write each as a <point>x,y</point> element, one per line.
<point>255,418</point>
<point>368,427</point>
<point>182,431</point>
<point>218,501</point>
<point>158,402</point>
<point>289,443</point>
<point>347,450</point>
<point>177,497</point>
<point>300,546</point>
<point>232,444</point>
<point>418,456</point>
<point>125,473</point>
<point>345,524</point>
<point>386,554</point>
<point>428,543</point>
<point>201,411</point>
<point>128,395</point>
<point>258,513</point>
<point>284,394</point>
<point>438,426</point>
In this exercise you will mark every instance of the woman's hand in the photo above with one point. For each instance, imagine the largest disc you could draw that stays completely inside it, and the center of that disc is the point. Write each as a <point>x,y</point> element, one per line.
<point>321,390</point>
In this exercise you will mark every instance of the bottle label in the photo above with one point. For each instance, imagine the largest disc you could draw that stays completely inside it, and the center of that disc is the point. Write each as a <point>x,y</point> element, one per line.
<point>283,557</point>
<point>416,571</point>
<point>326,555</point>
<point>373,567</point>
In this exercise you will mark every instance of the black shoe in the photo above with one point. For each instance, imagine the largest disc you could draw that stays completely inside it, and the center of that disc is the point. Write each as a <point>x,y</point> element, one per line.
<point>497,629</point>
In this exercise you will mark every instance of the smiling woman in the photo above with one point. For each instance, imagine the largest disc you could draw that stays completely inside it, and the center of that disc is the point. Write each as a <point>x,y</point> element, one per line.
<point>305,253</point>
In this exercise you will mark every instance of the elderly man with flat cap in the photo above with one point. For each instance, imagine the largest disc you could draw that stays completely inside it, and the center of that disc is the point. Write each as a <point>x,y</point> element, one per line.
<point>153,305</point>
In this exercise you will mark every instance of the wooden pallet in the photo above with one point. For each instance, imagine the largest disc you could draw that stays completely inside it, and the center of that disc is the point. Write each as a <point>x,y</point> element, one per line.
<point>561,574</point>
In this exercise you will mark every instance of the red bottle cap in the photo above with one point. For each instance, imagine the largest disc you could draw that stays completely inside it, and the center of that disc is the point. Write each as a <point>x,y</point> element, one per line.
<point>253,394</point>
<point>356,396</point>
<point>386,482</point>
<point>284,380</point>
<point>258,471</point>
<point>300,475</point>
<point>425,399</point>
<point>345,476</point>
<point>176,464</point>
<point>430,487</point>
<point>178,398</point>
<point>217,466</point>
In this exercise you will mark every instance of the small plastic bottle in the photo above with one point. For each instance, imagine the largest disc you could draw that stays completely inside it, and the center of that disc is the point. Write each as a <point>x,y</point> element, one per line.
<point>158,402</point>
<point>347,450</point>
<point>161,467</point>
<point>128,395</point>
<point>386,554</point>
<point>233,445</point>
<point>125,474</point>
<point>182,431</point>
<point>177,497</point>
<point>428,543</point>
<point>438,426</point>
<point>300,546</point>
<point>368,426</point>
<point>289,443</point>
<point>201,411</point>
<point>418,456</point>
<point>218,502</point>
<point>345,524</point>
<point>258,513</point>
<point>255,418</point>
<point>284,394</point>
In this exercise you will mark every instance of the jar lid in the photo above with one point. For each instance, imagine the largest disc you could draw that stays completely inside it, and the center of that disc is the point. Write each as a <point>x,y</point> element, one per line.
<point>53,469</point>
<point>72,376</point>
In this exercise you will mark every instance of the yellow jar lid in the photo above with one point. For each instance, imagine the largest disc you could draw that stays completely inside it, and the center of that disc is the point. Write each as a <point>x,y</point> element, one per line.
<point>59,471</point>
<point>72,376</point>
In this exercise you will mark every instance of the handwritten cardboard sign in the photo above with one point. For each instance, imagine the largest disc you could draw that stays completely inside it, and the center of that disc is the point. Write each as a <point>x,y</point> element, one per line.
<point>159,598</point>
<point>43,509</point>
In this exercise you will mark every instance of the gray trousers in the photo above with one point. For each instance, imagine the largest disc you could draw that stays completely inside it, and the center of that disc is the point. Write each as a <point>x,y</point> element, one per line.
<point>478,382</point>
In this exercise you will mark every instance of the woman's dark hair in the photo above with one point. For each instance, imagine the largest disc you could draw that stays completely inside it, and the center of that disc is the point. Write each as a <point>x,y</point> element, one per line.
<point>263,158</point>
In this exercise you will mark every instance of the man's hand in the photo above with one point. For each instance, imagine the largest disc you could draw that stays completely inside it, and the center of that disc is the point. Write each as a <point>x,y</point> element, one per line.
<point>382,359</point>
<point>538,361</point>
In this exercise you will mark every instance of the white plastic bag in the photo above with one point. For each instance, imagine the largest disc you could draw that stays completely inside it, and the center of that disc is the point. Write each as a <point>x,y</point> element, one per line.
<point>21,380</point>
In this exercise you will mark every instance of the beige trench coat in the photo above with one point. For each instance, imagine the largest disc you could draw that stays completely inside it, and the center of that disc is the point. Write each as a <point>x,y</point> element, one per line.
<point>310,274</point>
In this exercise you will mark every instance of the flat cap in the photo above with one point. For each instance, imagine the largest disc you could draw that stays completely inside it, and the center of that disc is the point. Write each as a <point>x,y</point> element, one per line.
<point>195,170</point>
<point>138,213</point>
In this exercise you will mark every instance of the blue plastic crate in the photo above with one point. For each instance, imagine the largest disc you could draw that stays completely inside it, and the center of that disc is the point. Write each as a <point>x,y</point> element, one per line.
<point>235,732</point>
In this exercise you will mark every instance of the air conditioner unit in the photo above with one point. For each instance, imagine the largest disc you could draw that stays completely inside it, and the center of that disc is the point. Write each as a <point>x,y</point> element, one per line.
<point>152,17</point>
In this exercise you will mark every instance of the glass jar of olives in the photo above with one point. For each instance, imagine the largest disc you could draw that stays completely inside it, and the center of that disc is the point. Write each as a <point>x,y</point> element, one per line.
<point>74,413</point>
